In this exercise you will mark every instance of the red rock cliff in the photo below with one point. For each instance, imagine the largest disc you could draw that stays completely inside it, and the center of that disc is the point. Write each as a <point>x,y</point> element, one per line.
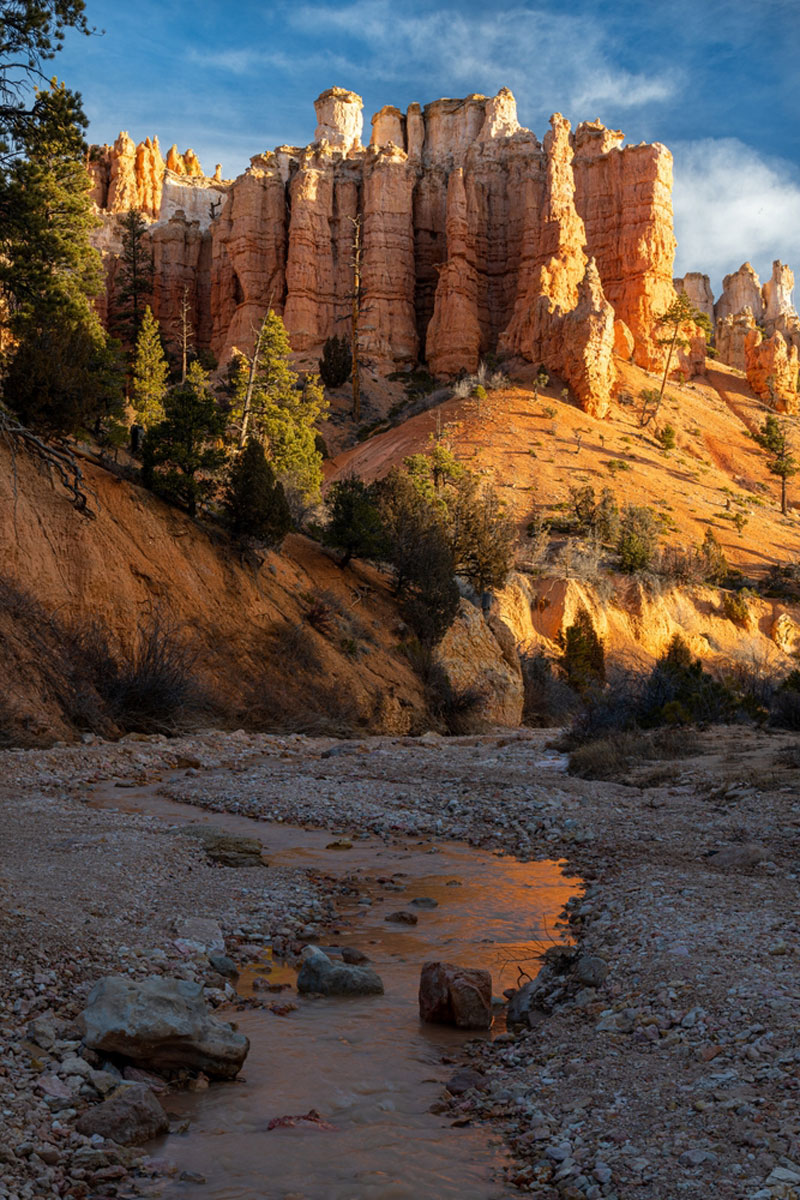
<point>475,237</point>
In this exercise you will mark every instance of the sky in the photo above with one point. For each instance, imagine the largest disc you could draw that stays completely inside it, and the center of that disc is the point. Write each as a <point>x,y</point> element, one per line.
<point>718,81</point>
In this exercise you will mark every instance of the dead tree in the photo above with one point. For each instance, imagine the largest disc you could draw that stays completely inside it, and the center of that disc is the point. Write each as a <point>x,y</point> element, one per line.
<point>356,301</point>
<point>251,377</point>
<point>58,458</point>
<point>185,331</point>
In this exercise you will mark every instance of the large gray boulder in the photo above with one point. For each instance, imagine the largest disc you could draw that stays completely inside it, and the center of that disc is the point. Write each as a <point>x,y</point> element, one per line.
<point>453,995</point>
<point>320,974</point>
<point>130,1116</point>
<point>161,1024</point>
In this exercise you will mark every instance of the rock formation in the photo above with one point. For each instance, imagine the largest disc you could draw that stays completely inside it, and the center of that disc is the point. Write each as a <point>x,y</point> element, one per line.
<point>730,338</point>
<point>772,370</point>
<point>744,303</point>
<point>475,237</point>
<point>740,290</point>
<point>698,288</point>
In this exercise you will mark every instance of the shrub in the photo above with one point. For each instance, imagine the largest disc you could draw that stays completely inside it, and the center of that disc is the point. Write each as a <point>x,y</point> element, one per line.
<point>610,757</point>
<point>596,516</point>
<point>680,692</point>
<point>786,703</point>
<point>481,535</point>
<point>666,437</point>
<point>548,698</point>
<point>638,538</point>
<point>736,608</point>
<point>336,362</point>
<point>354,520</point>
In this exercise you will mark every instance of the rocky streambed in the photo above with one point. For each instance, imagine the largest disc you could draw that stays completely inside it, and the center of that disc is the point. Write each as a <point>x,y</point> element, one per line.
<point>671,1067</point>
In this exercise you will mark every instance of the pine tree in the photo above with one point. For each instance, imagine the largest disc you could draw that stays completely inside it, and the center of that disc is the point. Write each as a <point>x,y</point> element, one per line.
<point>354,520</point>
<point>336,362</point>
<point>774,438</point>
<point>282,411</point>
<point>62,373</point>
<point>150,373</point>
<point>31,32</point>
<point>182,455</point>
<point>584,657</point>
<point>136,276</point>
<point>255,501</point>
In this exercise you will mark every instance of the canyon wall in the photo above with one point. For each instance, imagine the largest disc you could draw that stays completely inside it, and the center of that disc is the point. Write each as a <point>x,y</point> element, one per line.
<point>476,237</point>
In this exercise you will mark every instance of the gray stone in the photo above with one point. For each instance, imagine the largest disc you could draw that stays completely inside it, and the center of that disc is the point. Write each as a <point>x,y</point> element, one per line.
<point>749,854</point>
<point>466,1080</point>
<point>227,850</point>
<point>223,965</point>
<point>161,1024</point>
<point>454,995</point>
<point>319,973</point>
<point>591,970</point>
<point>425,902</point>
<point>402,918</point>
<point>131,1116</point>
<point>355,957</point>
<point>204,933</point>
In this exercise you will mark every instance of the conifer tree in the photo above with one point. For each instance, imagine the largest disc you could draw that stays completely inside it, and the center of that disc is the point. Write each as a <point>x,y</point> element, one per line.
<point>150,373</point>
<point>774,438</point>
<point>62,373</point>
<point>255,501</point>
<point>31,32</point>
<point>136,276</point>
<point>281,410</point>
<point>183,454</point>
<point>354,520</point>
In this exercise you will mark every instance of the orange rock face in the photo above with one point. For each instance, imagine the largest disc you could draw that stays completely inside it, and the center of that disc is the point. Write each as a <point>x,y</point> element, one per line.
<point>476,237</point>
<point>772,366</point>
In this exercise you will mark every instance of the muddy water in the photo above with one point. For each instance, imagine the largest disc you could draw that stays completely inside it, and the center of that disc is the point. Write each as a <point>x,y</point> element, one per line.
<point>368,1066</point>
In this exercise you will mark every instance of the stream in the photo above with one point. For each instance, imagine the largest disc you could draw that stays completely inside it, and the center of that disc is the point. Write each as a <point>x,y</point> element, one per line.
<point>367,1065</point>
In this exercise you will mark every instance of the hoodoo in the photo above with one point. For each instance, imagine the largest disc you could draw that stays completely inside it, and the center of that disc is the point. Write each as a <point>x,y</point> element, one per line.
<point>476,237</point>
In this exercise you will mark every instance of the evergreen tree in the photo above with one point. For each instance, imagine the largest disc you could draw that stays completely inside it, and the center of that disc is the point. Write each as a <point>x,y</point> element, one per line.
<point>421,555</point>
<point>482,537</point>
<point>336,362</point>
<point>150,373</point>
<point>183,453</point>
<point>273,404</point>
<point>255,501</point>
<point>638,538</point>
<point>774,438</point>
<point>136,276</point>
<point>62,373</point>
<point>31,32</point>
<point>584,657</point>
<point>354,521</point>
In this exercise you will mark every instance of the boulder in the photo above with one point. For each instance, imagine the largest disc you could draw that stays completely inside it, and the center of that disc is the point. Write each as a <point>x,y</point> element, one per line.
<point>454,995</point>
<point>473,661</point>
<point>749,854</point>
<point>130,1116</point>
<point>320,974</point>
<point>162,1025</point>
<point>227,849</point>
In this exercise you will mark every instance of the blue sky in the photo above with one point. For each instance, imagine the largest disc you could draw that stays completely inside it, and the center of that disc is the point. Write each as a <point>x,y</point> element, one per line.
<point>718,81</point>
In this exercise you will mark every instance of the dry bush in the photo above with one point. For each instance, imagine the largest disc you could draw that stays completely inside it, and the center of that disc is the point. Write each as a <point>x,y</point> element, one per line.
<point>614,756</point>
<point>548,698</point>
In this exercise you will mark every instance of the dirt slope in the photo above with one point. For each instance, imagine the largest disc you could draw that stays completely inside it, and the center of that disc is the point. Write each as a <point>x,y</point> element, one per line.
<point>139,556</point>
<point>535,449</point>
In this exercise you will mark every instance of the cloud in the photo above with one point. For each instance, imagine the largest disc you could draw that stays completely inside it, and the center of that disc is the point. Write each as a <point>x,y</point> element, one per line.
<point>733,205</point>
<point>548,59</point>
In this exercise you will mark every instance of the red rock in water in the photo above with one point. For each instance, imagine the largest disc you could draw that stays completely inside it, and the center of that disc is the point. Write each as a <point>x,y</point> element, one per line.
<point>453,995</point>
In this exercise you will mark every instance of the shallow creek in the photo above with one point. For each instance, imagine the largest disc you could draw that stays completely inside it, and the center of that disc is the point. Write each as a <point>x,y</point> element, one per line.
<point>367,1065</point>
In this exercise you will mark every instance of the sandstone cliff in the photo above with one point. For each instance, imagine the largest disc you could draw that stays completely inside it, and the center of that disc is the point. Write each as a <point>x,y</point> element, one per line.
<point>475,237</point>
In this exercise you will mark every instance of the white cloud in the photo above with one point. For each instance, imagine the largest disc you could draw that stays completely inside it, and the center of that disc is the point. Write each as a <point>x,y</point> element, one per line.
<point>733,205</point>
<point>547,59</point>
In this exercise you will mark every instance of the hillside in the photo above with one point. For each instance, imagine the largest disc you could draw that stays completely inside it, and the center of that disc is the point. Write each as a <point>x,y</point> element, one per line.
<point>535,448</point>
<point>257,658</point>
